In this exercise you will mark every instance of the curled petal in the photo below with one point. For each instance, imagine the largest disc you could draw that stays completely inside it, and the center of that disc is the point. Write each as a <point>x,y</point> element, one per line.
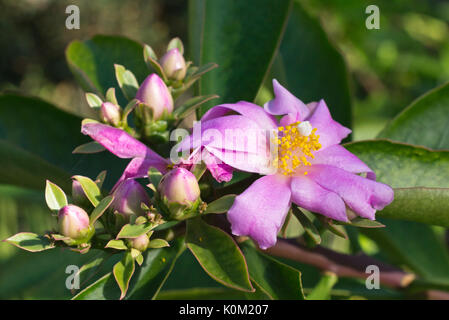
<point>363,196</point>
<point>260,210</point>
<point>309,195</point>
<point>246,109</point>
<point>329,130</point>
<point>285,103</point>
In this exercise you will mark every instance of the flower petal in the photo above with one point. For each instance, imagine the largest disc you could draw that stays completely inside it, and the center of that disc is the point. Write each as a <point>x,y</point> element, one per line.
<point>118,141</point>
<point>309,195</point>
<point>363,196</point>
<point>330,131</point>
<point>260,210</point>
<point>246,109</point>
<point>285,103</point>
<point>339,157</point>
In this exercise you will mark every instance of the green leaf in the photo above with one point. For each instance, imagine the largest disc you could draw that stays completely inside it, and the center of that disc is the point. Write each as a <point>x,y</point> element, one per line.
<point>134,230</point>
<point>100,209</point>
<point>54,196</point>
<point>93,100</point>
<point>405,166</point>
<point>30,242</point>
<point>312,67</point>
<point>151,61</point>
<point>126,81</point>
<point>221,205</point>
<point>90,189</point>
<point>116,244</point>
<point>123,271</point>
<point>242,38</point>
<point>191,105</point>
<point>424,122</point>
<point>146,283</point>
<point>277,280</point>
<point>323,289</point>
<point>111,97</point>
<point>158,243</point>
<point>176,43</point>
<point>364,223</point>
<point>154,176</point>
<point>92,62</point>
<point>218,254</point>
<point>88,148</point>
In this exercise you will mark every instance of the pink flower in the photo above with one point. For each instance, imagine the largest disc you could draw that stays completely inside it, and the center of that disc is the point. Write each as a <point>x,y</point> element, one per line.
<point>309,167</point>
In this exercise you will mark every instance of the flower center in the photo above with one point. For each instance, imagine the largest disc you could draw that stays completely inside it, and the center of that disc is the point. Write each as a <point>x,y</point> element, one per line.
<point>296,143</point>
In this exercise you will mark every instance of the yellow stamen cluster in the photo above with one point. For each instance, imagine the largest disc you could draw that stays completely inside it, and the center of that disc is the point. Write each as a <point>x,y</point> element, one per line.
<point>294,148</point>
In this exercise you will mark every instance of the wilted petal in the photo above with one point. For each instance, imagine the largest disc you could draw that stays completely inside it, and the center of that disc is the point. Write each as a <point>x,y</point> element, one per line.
<point>260,210</point>
<point>285,103</point>
<point>339,157</point>
<point>330,131</point>
<point>363,196</point>
<point>246,109</point>
<point>309,195</point>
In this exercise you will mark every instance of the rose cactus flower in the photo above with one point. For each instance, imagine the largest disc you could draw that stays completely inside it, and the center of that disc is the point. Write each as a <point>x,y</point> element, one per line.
<point>174,64</point>
<point>125,146</point>
<point>309,167</point>
<point>73,222</point>
<point>128,198</point>
<point>154,93</point>
<point>179,186</point>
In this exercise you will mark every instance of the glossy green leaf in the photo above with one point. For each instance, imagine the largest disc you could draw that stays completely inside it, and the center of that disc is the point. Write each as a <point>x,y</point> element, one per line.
<point>90,189</point>
<point>100,209</point>
<point>191,105</point>
<point>242,38</point>
<point>218,254</point>
<point>158,243</point>
<point>275,279</point>
<point>176,43</point>
<point>424,122</point>
<point>221,205</point>
<point>30,242</point>
<point>54,196</point>
<point>116,244</point>
<point>111,97</point>
<point>312,67</point>
<point>90,147</point>
<point>323,289</point>
<point>92,61</point>
<point>405,166</point>
<point>308,225</point>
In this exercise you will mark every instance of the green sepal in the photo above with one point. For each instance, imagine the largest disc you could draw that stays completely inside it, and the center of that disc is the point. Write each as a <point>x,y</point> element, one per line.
<point>126,81</point>
<point>93,100</point>
<point>54,196</point>
<point>90,189</point>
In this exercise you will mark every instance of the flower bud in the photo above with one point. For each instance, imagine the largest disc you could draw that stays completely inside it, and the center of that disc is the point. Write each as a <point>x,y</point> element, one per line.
<point>174,64</point>
<point>179,186</point>
<point>128,198</point>
<point>140,243</point>
<point>154,93</point>
<point>73,222</point>
<point>110,113</point>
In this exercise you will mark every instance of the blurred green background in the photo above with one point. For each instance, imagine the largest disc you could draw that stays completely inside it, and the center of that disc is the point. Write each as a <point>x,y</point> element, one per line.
<point>389,68</point>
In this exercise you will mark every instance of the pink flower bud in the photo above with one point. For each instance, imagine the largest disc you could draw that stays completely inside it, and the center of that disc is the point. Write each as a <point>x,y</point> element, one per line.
<point>110,113</point>
<point>174,64</point>
<point>154,93</point>
<point>140,243</point>
<point>73,222</point>
<point>179,186</point>
<point>128,198</point>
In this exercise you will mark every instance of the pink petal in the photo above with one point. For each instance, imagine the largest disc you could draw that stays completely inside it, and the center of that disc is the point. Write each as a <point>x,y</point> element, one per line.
<point>362,195</point>
<point>246,109</point>
<point>309,195</point>
<point>285,102</point>
<point>260,210</point>
<point>118,141</point>
<point>330,131</point>
<point>339,157</point>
